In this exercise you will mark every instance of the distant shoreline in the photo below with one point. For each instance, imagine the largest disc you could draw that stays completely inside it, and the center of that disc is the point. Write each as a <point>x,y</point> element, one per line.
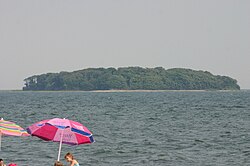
<point>108,91</point>
<point>118,91</point>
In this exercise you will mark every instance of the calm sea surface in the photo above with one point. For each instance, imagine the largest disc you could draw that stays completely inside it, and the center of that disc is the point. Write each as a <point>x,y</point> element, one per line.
<point>135,128</point>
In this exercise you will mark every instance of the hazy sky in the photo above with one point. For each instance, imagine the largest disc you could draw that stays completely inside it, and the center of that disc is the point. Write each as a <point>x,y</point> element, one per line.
<point>41,36</point>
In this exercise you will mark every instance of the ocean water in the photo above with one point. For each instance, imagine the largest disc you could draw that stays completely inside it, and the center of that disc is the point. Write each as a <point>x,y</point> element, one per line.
<point>135,128</point>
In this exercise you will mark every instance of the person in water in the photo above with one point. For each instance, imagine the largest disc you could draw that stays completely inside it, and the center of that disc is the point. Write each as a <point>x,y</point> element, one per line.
<point>2,163</point>
<point>70,158</point>
<point>58,163</point>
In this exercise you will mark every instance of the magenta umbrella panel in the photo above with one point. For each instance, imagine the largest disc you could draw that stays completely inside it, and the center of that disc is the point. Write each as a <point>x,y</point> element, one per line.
<point>61,130</point>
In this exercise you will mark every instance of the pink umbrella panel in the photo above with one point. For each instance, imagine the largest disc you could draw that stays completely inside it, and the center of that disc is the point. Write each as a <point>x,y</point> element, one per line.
<point>74,133</point>
<point>61,130</point>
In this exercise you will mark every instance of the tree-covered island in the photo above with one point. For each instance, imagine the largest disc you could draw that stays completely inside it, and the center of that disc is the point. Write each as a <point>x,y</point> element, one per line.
<point>130,78</point>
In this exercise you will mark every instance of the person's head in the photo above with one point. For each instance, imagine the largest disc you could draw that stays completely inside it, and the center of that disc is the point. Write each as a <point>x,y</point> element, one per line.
<point>69,157</point>
<point>1,162</point>
<point>58,163</point>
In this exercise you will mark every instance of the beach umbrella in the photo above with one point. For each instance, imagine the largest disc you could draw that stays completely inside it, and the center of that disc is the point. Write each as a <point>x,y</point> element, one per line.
<point>10,129</point>
<point>61,130</point>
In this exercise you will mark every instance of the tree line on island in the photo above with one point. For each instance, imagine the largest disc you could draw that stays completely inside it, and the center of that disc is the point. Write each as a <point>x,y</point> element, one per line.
<point>130,78</point>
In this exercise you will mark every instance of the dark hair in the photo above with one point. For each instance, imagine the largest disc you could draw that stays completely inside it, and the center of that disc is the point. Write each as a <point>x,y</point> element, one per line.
<point>58,163</point>
<point>1,160</point>
<point>69,155</point>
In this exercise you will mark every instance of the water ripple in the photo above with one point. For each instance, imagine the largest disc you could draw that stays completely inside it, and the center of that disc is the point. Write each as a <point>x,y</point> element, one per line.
<point>159,128</point>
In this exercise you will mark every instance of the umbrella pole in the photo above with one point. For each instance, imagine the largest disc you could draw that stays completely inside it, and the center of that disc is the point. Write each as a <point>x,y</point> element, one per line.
<point>60,147</point>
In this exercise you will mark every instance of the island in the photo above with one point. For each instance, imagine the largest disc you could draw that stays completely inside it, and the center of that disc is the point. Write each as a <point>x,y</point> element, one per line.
<point>130,78</point>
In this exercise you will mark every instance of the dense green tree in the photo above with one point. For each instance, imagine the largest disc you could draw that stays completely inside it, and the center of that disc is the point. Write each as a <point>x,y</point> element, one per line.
<point>131,78</point>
